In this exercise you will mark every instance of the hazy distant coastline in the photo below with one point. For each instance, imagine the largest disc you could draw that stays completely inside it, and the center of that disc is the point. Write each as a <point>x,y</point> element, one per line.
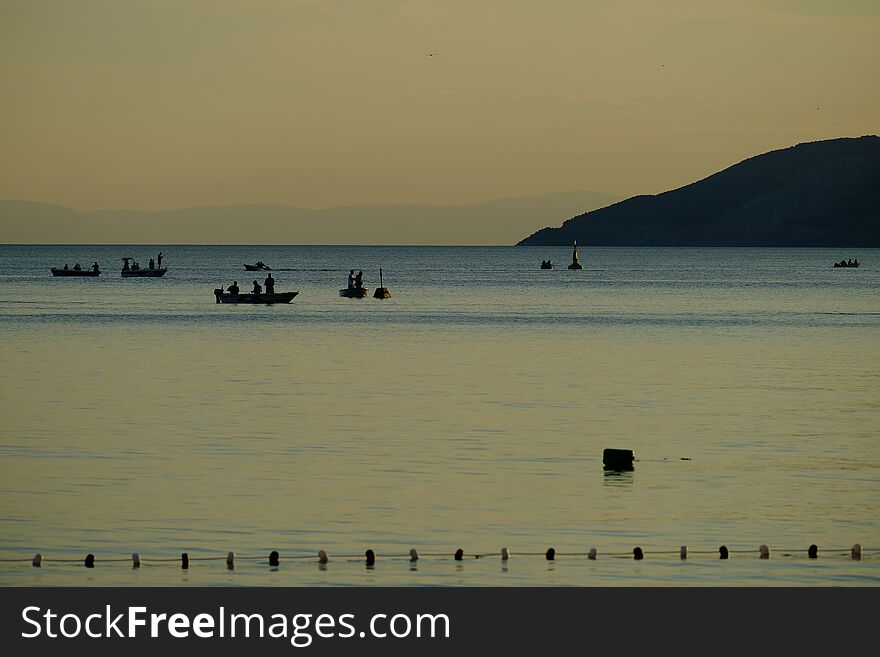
<point>495,222</point>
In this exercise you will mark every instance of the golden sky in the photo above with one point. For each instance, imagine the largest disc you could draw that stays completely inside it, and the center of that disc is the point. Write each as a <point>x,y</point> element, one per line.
<point>155,104</point>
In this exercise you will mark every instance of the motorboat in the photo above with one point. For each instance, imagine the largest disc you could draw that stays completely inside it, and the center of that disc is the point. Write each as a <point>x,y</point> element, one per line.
<point>249,297</point>
<point>75,272</point>
<point>354,292</point>
<point>258,266</point>
<point>134,270</point>
<point>844,263</point>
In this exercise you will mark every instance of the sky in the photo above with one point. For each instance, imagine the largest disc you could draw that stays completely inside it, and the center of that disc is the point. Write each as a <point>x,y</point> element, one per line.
<point>162,104</point>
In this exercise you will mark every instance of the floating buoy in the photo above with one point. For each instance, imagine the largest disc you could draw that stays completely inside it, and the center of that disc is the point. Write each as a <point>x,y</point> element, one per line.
<point>38,560</point>
<point>591,555</point>
<point>723,552</point>
<point>381,291</point>
<point>184,561</point>
<point>813,552</point>
<point>459,554</point>
<point>856,552</point>
<point>135,560</point>
<point>230,561</point>
<point>370,557</point>
<point>618,459</point>
<point>322,556</point>
<point>684,552</point>
<point>638,555</point>
<point>505,554</point>
<point>274,558</point>
<point>551,554</point>
<point>90,561</point>
<point>764,552</point>
<point>413,555</point>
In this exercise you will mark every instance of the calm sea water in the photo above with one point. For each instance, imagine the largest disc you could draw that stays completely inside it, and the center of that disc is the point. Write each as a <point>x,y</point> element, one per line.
<point>468,411</point>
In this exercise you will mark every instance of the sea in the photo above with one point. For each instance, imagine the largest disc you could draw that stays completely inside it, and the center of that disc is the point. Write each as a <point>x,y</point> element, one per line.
<point>470,410</point>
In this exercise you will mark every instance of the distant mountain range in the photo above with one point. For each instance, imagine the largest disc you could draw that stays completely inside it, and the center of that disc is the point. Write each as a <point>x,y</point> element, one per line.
<point>500,221</point>
<point>824,193</point>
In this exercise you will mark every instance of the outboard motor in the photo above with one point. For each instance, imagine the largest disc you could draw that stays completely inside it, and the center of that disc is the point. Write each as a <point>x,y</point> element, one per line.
<point>217,292</point>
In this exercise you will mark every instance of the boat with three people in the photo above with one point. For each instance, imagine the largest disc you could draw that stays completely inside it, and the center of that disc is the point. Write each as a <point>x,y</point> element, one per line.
<point>847,263</point>
<point>94,270</point>
<point>259,265</point>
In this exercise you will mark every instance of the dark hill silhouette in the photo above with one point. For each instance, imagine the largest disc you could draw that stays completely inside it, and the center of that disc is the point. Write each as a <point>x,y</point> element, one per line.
<point>824,193</point>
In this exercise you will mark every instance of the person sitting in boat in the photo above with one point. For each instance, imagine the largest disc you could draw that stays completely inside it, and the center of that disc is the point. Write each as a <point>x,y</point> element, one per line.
<point>125,266</point>
<point>135,266</point>
<point>856,262</point>
<point>76,267</point>
<point>257,288</point>
<point>95,267</point>
<point>270,284</point>
<point>233,289</point>
<point>359,280</point>
<point>66,268</point>
<point>351,279</point>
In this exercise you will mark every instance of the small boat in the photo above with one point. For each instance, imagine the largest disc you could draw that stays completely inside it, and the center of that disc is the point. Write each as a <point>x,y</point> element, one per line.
<point>844,263</point>
<point>258,266</point>
<point>263,297</point>
<point>135,271</point>
<point>353,292</point>
<point>546,264</point>
<point>75,272</point>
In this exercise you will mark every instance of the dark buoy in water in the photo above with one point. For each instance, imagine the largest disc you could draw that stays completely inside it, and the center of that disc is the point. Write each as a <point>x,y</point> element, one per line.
<point>551,554</point>
<point>575,264</point>
<point>381,291</point>
<point>723,552</point>
<point>274,558</point>
<point>184,561</point>
<point>638,555</point>
<point>90,560</point>
<point>813,552</point>
<point>618,459</point>
<point>459,554</point>
<point>370,557</point>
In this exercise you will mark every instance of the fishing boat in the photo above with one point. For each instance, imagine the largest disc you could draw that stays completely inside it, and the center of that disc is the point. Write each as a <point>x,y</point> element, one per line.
<point>75,272</point>
<point>258,266</point>
<point>135,271</point>
<point>354,292</point>
<point>845,263</point>
<point>262,297</point>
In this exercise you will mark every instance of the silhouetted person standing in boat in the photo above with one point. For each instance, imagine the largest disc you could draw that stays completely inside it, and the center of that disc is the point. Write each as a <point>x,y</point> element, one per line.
<point>257,289</point>
<point>95,267</point>
<point>152,264</point>
<point>233,289</point>
<point>160,260</point>
<point>359,280</point>
<point>270,284</point>
<point>351,279</point>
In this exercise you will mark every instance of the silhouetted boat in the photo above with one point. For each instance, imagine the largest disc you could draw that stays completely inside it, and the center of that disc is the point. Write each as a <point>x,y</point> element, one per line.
<point>263,297</point>
<point>259,266</point>
<point>135,271</point>
<point>74,272</point>
<point>846,264</point>
<point>546,264</point>
<point>354,292</point>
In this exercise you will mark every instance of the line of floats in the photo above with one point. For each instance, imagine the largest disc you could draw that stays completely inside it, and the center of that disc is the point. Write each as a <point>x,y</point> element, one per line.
<point>233,294</point>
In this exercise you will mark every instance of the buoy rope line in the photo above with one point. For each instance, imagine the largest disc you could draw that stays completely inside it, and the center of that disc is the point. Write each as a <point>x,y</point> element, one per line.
<point>856,552</point>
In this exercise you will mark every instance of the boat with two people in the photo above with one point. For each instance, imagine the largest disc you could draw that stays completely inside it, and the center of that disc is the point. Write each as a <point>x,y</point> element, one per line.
<point>355,288</point>
<point>259,265</point>
<point>134,270</point>
<point>94,270</point>
<point>847,263</point>
<point>546,264</point>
